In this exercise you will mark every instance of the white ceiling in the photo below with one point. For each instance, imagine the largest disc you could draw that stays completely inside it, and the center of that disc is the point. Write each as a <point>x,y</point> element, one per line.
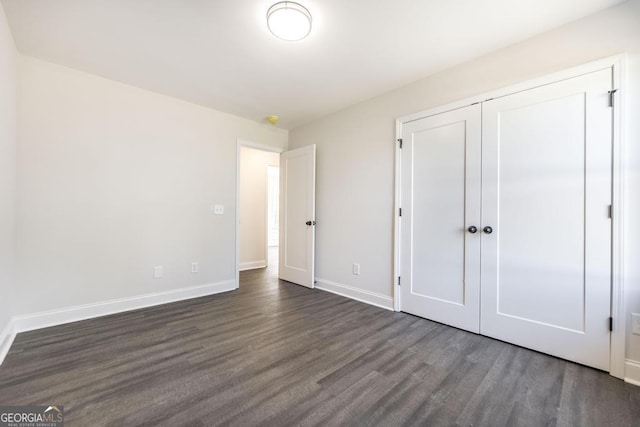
<point>220,54</point>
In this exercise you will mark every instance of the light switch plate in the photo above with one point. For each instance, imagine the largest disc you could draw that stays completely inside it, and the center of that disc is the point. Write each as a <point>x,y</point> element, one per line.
<point>218,209</point>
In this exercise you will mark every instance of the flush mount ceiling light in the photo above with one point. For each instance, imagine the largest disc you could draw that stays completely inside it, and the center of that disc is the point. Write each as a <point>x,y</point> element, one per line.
<point>289,21</point>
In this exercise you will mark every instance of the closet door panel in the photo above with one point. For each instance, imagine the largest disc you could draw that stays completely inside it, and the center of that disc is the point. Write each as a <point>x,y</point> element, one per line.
<point>440,199</point>
<point>546,191</point>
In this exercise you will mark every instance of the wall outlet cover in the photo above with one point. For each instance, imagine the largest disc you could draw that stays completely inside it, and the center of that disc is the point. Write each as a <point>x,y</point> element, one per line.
<point>356,269</point>
<point>158,272</point>
<point>635,323</point>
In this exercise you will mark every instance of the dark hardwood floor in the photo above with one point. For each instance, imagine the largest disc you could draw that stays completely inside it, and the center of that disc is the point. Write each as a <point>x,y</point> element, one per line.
<point>277,354</point>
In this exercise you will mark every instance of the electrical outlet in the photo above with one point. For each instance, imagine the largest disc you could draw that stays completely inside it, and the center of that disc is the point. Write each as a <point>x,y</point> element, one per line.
<point>356,269</point>
<point>635,323</point>
<point>158,272</point>
<point>194,267</point>
<point>218,209</point>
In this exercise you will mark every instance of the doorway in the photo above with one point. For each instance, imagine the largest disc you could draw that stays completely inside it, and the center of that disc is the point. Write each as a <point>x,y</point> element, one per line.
<point>258,208</point>
<point>285,214</point>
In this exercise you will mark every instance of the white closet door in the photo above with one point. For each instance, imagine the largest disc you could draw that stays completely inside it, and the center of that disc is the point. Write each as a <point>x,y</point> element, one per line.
<point>440,199</point>
<point>546,191</point>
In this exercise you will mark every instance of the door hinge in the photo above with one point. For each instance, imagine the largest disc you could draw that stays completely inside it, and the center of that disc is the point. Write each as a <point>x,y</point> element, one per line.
<point>611,323</point>
<point>610,211</point>
<point>400,212</point>
<point>400,141</point>
<point>398,280</point>
<point>611,92</point>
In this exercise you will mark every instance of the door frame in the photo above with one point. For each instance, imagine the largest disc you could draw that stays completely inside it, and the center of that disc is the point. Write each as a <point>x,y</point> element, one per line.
<point>617,64</point>
<point>263,147</point>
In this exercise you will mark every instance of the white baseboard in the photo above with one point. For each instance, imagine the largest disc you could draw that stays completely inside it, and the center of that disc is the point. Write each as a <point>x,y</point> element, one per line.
<point>632,372</point>
<point>45,319</point>
<point>6,339</point>
<point>361,295</point>
<point>252,264</point>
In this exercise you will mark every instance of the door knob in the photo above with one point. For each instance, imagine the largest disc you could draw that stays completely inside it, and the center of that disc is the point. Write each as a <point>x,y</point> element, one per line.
<point>488,230</point>
<point>310,223</point>
<point>473,229</point>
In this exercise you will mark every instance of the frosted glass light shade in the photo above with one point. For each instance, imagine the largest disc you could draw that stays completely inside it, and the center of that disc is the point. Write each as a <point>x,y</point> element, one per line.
<point>289,21</point>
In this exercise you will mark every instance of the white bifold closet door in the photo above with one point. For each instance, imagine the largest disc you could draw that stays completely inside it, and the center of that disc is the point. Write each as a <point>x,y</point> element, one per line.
<point>532,173</point>
<point>440,198</point>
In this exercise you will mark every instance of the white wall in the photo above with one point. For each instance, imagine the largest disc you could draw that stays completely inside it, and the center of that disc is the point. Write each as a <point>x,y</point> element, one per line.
<point>8,66</point>
<point>355,175</point>
<point>253,205</point>
<point>113,180</point>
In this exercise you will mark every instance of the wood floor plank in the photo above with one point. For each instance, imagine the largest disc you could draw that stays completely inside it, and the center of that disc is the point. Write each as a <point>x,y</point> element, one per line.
<point>276,354</point>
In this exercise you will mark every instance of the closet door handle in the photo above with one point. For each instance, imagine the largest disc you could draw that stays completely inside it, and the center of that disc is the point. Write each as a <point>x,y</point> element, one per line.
<point>473,229</point>
<point>488,230</point>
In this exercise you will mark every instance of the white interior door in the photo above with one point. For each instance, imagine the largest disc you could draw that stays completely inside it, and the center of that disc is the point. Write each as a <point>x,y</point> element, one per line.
<point>440,199</point>
<point>546,191</point>
<point>297,215</point>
